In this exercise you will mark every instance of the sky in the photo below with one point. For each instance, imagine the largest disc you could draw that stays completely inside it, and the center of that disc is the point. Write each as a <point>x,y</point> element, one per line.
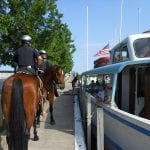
<point>94,23</point>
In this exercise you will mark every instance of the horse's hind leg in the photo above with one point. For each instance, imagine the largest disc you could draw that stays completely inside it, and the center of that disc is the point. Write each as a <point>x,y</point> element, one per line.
<point>52,121</point>
<point>38,113</point>
<point>35,138</point>
<point>8,142</point>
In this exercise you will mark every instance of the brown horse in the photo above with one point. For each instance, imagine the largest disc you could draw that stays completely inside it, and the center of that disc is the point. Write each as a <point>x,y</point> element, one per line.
<point>52,76</point>
<point>20,98</point>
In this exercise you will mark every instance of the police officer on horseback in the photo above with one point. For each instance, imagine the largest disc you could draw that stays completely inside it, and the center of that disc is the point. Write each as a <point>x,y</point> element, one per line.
<point>43,66</point>
<point>25,57</point>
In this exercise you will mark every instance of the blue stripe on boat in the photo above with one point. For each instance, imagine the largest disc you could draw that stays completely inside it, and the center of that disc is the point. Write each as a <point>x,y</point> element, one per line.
<point>130,124</point>
<point>114,144</point>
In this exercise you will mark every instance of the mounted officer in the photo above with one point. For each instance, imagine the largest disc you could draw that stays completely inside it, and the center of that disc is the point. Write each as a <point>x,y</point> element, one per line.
<point>25,57</point>
<point>43,66</point>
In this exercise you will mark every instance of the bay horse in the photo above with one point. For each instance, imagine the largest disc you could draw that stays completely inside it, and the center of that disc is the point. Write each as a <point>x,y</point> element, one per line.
<point>20,98</point>
<point>53,75</point>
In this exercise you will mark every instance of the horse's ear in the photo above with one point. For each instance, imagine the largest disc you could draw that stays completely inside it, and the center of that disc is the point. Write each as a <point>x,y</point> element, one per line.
<point>62,70</point>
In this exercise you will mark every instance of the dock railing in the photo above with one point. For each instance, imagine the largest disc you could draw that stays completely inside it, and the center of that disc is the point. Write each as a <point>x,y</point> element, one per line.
<point>91,111</point>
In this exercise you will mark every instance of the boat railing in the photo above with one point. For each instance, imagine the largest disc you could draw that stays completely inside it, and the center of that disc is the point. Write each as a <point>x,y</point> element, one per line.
<point>92,109</point>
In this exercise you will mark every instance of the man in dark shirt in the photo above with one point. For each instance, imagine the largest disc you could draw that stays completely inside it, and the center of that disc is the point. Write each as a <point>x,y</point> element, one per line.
<point>43,66</point>
<point>25,57</point>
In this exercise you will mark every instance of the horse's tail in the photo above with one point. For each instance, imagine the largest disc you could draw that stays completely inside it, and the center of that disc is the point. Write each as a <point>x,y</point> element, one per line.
<point>17,117</point>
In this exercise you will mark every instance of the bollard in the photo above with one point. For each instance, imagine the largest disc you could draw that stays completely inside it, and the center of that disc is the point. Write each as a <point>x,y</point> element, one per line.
<point>88,121</point>
<point>100,129</point>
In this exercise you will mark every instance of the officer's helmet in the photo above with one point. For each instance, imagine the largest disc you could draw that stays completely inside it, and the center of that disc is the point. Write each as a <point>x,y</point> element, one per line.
<point>26,38</point>
<point>42,52</point>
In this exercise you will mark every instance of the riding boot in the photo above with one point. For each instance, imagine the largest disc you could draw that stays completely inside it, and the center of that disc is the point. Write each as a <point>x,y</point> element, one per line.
<point>41,105</point>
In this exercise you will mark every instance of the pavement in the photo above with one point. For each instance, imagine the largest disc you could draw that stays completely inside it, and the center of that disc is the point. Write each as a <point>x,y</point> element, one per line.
<point>58,136</point>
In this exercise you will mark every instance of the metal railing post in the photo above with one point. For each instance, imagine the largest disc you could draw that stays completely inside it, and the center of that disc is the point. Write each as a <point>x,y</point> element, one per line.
<point>100,129</point>
<point>88,121</point>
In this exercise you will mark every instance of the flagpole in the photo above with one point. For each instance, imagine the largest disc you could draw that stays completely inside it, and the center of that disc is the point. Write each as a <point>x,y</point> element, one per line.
<point>139,15</point>
<point>87,50</point>
<point>121,21</point>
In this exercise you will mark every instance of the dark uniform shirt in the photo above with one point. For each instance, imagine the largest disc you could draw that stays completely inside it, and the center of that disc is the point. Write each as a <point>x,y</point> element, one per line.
<point>25,56</point>
<point>44,65</point>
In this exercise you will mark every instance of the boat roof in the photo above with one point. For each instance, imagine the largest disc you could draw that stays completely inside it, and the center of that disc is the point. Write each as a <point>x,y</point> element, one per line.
<point>115,68</point>
<point>132,37</point>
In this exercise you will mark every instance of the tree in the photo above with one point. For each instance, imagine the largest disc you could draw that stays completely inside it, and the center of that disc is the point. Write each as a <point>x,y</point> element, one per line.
<point>40,19</point>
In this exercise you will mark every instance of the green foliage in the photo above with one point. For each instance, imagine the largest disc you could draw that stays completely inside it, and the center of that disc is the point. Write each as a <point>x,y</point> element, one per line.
<point>42,21</point>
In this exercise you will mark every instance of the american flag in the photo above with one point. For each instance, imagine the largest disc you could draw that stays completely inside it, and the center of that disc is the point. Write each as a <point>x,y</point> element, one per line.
<point>104,51</point>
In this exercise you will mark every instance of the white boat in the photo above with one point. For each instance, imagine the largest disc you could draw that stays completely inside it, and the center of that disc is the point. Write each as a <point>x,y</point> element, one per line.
<point>127,112</point>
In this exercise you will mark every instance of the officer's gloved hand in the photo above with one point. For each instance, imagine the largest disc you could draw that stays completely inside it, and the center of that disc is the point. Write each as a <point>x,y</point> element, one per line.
<point>40,71</point>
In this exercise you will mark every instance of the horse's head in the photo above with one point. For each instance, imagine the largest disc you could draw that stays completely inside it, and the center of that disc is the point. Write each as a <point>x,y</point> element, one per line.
<point>57,74</point>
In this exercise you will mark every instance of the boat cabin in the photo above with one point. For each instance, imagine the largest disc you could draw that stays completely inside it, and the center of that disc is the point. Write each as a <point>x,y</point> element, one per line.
<point>127,77</point>
<point>133,48</point>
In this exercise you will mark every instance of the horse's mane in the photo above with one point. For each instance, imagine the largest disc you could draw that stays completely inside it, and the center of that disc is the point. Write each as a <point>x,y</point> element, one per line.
<point>51,69</point>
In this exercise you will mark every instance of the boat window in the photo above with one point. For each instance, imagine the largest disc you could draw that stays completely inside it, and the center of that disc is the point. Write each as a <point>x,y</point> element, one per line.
<point>117,56</point>
<point>124,54</point>
<point>83,82</point>
<point>121,54</point>
<point>100,84</point>
<point>142,47</point>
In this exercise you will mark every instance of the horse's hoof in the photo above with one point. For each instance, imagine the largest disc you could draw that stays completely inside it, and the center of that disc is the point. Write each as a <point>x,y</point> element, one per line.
<point>36,138</point>
<point>52,122</point>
